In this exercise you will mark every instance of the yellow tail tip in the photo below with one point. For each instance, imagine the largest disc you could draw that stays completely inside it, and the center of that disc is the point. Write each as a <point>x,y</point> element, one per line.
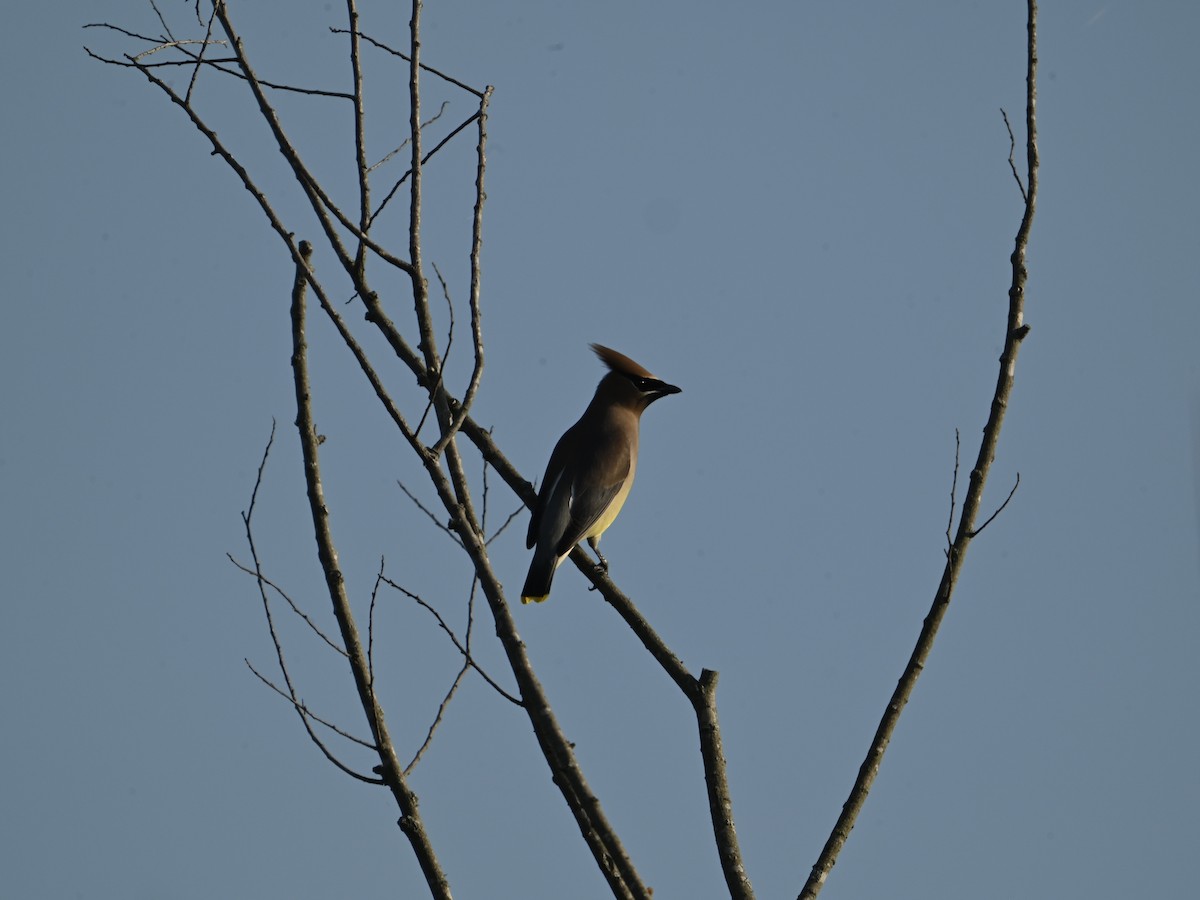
<point>541,599</point>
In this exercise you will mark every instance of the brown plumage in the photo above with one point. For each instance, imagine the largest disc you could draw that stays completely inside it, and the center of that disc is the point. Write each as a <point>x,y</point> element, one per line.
<point>590,471</point>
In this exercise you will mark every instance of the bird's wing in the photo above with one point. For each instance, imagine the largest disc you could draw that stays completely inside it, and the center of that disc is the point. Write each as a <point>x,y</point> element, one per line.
<point>595,489</point>
<point>550,481</point>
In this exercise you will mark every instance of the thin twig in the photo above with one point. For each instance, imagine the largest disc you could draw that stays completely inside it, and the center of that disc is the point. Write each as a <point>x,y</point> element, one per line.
<point>263,579</point>
<point>429,513</point>
<point>405,57</point>
<point>437,720</point>
<point>302,707</point>
<point>1012,164</point>
<point>187,97</point>
<point>371,621</point>
<point>161,20</point>
<point>174,45</point>
<point>476,277</point>
<point>391,154</point>
<point>953,493</point>
<point>428,156</point>
<point>508,521</point>
<point>125,31</point>
<point>360,144</point>
<point>1000,509</point>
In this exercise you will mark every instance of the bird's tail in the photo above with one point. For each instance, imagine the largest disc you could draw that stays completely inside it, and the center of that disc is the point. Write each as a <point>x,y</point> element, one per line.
<point>541,574</point>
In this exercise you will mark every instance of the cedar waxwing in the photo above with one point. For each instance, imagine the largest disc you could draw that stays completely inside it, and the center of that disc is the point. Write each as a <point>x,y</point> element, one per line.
<point>590,471</point>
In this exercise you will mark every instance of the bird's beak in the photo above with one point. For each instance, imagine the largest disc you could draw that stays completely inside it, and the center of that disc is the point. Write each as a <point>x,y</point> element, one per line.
<point>662,389</point>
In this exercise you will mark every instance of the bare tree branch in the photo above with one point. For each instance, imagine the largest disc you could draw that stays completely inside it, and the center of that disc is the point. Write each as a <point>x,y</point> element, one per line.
<point>702,694</point>
<point>476,248</point>
<point>438,385</point>
<point>410,822</point>
<point>360,143</point>
<point>1015,332</point>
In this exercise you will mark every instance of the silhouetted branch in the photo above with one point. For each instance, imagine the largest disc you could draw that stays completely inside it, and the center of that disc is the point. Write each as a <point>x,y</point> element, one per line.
<point>702,694</point>
<point>1015,332</point>
<point>360,144</point>
<point>464,409</point>
<point>410,821</point>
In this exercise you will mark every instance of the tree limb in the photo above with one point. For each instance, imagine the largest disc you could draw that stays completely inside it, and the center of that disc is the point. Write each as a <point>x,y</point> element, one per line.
<point>410,822</point>
<point>1015,332</point>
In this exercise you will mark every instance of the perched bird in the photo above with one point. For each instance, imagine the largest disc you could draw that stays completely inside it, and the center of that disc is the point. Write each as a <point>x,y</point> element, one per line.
<point>590,471</point>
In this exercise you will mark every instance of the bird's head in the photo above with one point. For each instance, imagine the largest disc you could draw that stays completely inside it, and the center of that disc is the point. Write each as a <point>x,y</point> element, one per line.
<point>627,382</point>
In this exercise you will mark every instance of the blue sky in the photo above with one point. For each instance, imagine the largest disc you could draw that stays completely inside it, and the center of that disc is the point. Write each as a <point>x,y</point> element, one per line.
<point>801,214</point>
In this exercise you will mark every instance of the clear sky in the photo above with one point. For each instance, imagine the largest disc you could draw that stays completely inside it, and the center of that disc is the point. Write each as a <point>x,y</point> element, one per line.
<point>801,213</point>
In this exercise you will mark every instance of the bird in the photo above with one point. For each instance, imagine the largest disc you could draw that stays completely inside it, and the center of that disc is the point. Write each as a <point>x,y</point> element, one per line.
<point>590,471</point>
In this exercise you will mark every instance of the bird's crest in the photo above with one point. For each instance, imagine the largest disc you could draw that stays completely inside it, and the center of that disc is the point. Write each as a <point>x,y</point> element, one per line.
<point>619,362</point>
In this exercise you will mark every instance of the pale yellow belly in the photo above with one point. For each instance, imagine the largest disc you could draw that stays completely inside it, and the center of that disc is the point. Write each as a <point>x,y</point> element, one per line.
<point>610,514</point>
